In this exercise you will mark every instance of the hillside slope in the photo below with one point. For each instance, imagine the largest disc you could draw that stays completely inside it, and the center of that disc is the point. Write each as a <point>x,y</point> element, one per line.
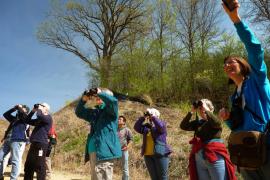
<point>69,154</point>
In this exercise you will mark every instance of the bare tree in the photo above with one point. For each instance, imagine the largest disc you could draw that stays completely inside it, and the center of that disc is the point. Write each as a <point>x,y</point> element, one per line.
<point>259,11</point>
<point>92,30</point>
<point>196,26</point>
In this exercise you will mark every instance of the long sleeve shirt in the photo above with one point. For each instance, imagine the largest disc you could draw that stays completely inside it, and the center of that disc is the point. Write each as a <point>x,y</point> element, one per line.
<point>42,124</point>
<point>104,121</point>
<point>204,129</point>
<point>17,127</point>
<point>158,130</point>
<point>256,88</point>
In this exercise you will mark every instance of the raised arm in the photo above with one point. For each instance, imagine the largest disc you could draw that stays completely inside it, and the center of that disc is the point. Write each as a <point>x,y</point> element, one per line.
<point>87,114</point>
<point>8,115</point>
<point>138,126</point>
<point>160,125</point>
<point>214,121</point>
<point>188,125</point>
<point>41,118</point>
<point>111,103</point>
<point>252,44</point>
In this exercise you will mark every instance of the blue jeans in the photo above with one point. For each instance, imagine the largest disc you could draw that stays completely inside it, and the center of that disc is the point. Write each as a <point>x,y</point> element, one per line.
<point>263,173</point>
<point>157,167</point>
<point>211,171</point>
<point>16,149</point>
<point>125,175</point>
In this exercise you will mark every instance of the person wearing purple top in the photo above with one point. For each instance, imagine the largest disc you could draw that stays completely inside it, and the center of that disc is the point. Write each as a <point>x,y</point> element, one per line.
<point>154,130</point>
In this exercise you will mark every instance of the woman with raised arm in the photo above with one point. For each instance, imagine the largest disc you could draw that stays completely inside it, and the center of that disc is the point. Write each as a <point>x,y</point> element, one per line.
<point>250,102</point>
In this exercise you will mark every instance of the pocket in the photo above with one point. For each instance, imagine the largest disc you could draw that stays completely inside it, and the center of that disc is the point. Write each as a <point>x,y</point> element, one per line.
<point>159,148</point>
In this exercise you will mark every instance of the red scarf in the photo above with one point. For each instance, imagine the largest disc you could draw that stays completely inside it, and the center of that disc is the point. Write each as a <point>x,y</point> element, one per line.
<point>210,150</point>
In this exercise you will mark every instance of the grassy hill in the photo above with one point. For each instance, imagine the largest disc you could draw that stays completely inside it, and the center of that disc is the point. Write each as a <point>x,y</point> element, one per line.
<point>72,132</point>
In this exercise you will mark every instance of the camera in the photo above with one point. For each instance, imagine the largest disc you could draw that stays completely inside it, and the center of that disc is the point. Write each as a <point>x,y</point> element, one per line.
<point>146,113</point>
<point>36,106</point>
<point>90,92</point>
<point>197,104</point>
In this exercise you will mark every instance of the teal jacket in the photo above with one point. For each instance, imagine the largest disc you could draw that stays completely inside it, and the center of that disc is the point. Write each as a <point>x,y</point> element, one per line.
<point>104,121</point>
<point>256,88</point>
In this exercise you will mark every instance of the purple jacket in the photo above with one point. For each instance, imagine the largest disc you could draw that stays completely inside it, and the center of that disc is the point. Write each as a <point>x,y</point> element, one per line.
<point>159,132</point>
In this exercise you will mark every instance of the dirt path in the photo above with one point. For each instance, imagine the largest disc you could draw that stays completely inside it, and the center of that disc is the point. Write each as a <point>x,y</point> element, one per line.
<point>56,175</point>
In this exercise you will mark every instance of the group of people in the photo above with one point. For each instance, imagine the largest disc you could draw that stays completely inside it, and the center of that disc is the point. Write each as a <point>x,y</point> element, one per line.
<point>110,138</point>
<point>209,157</point>
<point>17,136</point>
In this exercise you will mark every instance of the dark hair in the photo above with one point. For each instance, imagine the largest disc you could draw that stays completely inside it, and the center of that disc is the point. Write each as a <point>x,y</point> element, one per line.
<point>245,68</point>
<point>124,119</point>
<point>27,108</point>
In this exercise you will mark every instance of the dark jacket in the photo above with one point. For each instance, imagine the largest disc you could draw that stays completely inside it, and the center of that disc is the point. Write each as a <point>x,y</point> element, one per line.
<point>206,130</point>
<point>158,130</point>
<point>42,123</point>
<point>17,125</point>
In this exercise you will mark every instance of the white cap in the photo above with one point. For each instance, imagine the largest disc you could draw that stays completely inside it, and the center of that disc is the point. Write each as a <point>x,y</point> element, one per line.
<point>47,106</point>
<point>153,112</point>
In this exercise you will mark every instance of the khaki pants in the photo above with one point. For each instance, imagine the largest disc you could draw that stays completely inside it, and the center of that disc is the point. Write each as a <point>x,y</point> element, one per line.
<point>48,168</point>
<point>102,170</point>
<point>92,166</point>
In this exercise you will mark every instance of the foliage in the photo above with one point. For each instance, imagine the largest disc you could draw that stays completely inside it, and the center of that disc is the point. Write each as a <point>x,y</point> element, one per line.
<point>170,50</point>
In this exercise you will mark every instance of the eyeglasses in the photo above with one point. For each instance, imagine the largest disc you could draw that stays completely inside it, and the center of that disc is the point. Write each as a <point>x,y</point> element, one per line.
<point>229,62</point>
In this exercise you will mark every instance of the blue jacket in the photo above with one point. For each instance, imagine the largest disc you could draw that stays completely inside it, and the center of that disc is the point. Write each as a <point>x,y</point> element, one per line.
<point>18,130</point>
<point>159,132</point>
<point>256,89</point>
<point>42,123</point>
<point>104,121</point>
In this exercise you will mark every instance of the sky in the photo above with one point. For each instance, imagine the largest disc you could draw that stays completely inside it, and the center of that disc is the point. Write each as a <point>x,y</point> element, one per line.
<point>31,72</point>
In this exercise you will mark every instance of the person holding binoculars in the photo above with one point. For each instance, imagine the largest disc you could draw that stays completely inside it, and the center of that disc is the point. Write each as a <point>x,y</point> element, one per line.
<point>103,141</point>
<point>36,157</point>
<point>15,139</point>
<point>155,149</point>
<point>208,158</point>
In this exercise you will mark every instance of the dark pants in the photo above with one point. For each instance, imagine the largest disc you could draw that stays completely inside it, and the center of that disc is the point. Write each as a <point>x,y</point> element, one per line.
<point>157,166</point>
<point>36,162</point>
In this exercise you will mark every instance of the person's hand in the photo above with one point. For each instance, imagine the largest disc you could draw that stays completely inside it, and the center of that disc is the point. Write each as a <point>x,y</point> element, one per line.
<point>124,148</point>
<point>16,106</point>
<point>223,114</point>
<point>35,107</point>
<point>85,98</point>
<point>20,108</point>
<point>193,109</point>
<point>234,16</point>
